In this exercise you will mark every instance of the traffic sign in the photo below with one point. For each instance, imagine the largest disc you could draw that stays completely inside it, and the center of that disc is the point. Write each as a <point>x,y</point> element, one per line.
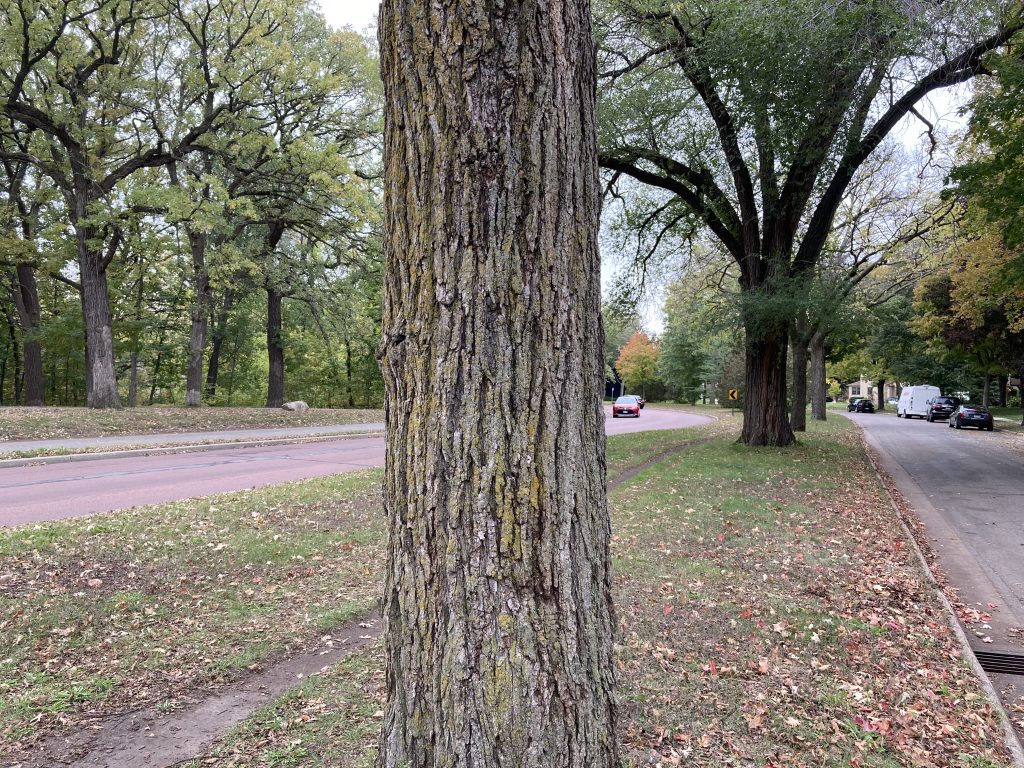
<point>734,394</point>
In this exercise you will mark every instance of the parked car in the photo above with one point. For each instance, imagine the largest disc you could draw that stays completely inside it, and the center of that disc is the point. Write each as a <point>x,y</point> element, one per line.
<point>640,400</point>
<point>971,416</point>
<point>915,401</point>
<point>627,405</point>
<point>861,405</point>
<point>942,408</point>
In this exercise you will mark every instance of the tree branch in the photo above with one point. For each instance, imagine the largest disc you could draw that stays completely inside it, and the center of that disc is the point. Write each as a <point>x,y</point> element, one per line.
<point>695,201</point>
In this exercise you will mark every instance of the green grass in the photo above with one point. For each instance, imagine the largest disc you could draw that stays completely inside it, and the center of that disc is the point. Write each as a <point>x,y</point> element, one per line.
<point>46,423</point>
<point>636,449</point>
<point>156,601</point>
<point>770,614</point>
<point>165,599</point>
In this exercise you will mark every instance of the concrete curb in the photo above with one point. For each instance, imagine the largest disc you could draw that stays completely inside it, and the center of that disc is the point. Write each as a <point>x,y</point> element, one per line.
<point>1009,735</point>
<point>65,458</point>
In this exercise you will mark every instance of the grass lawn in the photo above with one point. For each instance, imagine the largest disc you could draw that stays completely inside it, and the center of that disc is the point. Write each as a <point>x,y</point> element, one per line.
<point>771,614</point>
<point>111,612</point>
<point>20,423</point>
<point>1013,416</point>
<point>770,610</point>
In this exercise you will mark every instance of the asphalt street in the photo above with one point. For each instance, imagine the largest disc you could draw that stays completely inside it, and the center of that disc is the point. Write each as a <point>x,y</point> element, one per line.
<point>968,488</point>
<point>59,490</point>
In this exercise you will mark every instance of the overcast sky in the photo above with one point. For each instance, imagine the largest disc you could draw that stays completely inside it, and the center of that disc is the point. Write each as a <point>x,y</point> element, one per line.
<point>358,13</point>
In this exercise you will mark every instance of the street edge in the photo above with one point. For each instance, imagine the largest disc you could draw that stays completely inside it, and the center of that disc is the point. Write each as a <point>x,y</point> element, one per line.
<point>1009,734</point>
<point>63,458</point>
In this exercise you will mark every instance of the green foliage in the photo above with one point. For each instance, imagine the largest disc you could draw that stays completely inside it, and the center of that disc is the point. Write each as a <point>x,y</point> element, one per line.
<point>638,363</point>
<point>681,365</point>
<point>211,128</point>
<point>993,174</point>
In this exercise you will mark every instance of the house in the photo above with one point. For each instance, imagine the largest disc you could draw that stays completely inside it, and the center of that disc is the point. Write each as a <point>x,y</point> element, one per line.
<point>866,388</point>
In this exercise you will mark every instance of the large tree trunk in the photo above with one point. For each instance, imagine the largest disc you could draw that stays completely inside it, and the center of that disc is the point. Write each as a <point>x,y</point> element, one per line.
<point>350,397</point>
<point>798,420</point>
<point>819,385</point>
<point>1003,380</point>
<point>26,301</point>
<point>220,332</point>
<point>880,395</point>
<point>200,320</point>
<point>133,377</point>
<point>497,607</point>
<point>275,351</point>
<point>986,390</point>
<point>765,420</point>
<point>1020,391</point>
<point>100,376</point>
<point>11,347</point>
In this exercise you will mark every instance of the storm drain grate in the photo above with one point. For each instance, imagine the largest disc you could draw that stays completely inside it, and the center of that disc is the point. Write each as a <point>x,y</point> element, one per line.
<point>1001,663</point>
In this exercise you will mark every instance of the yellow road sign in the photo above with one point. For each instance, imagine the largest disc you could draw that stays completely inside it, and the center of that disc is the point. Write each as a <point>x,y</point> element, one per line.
<point>734,394</point>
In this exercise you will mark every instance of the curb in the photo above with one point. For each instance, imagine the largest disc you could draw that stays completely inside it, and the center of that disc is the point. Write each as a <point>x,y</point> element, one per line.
<point>1009,734</point>
<point>66,458</point>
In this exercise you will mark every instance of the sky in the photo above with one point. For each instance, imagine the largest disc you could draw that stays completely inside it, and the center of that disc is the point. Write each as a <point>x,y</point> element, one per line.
<point>358,13</point>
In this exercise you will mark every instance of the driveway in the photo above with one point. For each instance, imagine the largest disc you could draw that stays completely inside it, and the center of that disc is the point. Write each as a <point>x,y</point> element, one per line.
<point>53,491</point>
<point>968,488</point>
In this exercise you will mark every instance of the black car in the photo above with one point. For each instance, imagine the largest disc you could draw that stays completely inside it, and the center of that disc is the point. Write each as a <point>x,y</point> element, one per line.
<point>971,416</point>
<point>861,406</point>
<point>942,408</point>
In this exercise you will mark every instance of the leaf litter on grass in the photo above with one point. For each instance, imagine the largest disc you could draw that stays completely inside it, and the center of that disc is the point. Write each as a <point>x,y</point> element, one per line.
<point>110,613</point>
<point>771,614</point>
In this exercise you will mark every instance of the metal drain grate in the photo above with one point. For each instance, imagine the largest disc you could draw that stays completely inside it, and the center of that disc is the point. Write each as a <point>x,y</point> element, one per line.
<point>1002,663</point>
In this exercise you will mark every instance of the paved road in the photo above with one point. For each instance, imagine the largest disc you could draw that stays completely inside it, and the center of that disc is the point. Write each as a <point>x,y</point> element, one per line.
<point>53,491</point>
<point>181,438</point>
<point>968,488</point>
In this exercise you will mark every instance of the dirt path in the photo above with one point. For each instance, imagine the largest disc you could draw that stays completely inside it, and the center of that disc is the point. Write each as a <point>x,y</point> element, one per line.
<point>151,739</point>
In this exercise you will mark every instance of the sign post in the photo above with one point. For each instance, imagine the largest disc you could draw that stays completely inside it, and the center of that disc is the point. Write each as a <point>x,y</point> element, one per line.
<point>734,396</point>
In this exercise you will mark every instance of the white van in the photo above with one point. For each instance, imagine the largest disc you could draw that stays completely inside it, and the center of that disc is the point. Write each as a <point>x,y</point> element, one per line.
<point>914,401</point>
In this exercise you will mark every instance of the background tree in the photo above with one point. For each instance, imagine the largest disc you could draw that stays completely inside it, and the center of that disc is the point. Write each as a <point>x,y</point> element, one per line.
<point>681,364</point>
<point>992,173</point>
<point>497,606</point>
<point>283,115</point>
<point>753,121</point>
<point>638,362</point>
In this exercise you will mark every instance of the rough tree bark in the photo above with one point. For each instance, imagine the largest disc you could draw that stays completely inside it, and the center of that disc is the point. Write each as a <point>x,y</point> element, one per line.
<point>349,391</point>
<point>819,385</point>
<point>497,608</point>
<point>275,351</point>
<point>136,337</point>
<point>880,395</point>
<point>200,319</point>
<point>26,301</point>
<point>798,419</point>
<point>100,379</point>
<point>765,420</point>
<point>220,332</point>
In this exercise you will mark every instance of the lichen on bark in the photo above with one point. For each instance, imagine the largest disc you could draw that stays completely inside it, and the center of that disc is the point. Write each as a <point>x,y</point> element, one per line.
<point>498,616</point>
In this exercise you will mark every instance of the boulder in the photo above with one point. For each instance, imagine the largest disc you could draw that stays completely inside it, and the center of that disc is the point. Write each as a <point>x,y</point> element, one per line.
<point>295,405</point>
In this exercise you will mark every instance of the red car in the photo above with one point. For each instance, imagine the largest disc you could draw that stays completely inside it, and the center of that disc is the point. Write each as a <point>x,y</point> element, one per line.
<point>627,405</point>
